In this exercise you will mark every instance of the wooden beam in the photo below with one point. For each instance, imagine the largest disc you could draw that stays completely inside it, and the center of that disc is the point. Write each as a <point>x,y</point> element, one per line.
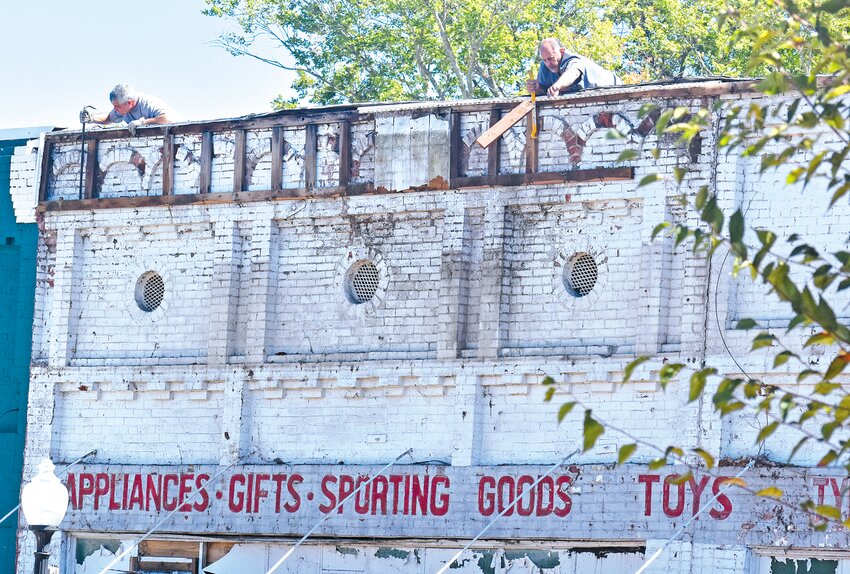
<point>505,123</point>
<point>344,153</point>
<point>305,117</point>
<point>205,177</point>
<point>455,144</point>
<point>91,169</point>
<point>494,149</point>
<point>310,142</point>
<point>46,165</point>
<point>167,164</point>
<point>531,143</point>
<point>239,161</point>
<point>600,174</point>
<point>277,157</point>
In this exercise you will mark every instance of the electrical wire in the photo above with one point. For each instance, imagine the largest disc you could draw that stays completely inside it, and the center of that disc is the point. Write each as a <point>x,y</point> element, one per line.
<point>687,523</point>
<point>448,564</point>
<point>64,471</point>
<point>329,514</point>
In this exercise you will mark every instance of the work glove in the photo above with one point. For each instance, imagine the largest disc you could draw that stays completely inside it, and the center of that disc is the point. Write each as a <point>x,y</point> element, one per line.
<point>85,117</point>
<point>134,125</point>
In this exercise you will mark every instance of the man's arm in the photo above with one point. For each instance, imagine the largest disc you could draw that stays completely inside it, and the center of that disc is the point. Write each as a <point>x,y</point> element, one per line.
<point>570,76</point>
<point>96,118</point>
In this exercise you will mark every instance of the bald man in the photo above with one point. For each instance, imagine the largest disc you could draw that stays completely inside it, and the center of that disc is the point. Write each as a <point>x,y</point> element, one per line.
<point>563,72</point>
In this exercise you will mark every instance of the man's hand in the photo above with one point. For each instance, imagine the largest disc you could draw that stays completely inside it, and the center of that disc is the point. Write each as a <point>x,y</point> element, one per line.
<point>533,86</point>
<point>134,125</point>
<point>553,91</point>
<point>85,117</point>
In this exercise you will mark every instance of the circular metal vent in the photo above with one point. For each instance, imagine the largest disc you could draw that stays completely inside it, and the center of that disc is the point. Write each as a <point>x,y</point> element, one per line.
<point>581,274</point>
<point>150,289</point>
<point>362,283</point>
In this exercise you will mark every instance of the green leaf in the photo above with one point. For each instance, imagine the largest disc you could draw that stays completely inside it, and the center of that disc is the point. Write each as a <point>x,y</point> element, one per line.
<point>627,372</point>
<point>828,458</point>
<point>550,392</point>
<point>767,431</point>
<point>745,324</point>
<point>736,227</point>
<point>659,228</point>
<point>627,155</point>
<point>657,463</point>
<point>565,410</point>
<point>679,174</point>
<point>667,372</point>
<point>770,492</point>
<point>819,339</point>
<point>709,460</point>
<point>677,479</point>
<point>626,452</point>
<point>782,358</point>
<point>763,339</point>
<point>698,380</point>
<point>797,447</point>
<point>827,511</point>
<point>648,179</point>
<point>836,366</point>
<point>548,381</point>
<point>701,198</point>
<point>592,430</point>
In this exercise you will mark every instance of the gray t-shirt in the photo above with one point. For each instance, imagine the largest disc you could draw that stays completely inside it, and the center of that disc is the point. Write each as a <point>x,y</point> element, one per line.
<point>146,107</point>
<point>592,74</point>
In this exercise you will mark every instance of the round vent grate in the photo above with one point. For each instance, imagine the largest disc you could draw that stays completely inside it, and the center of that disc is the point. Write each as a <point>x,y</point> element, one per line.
<point>150,289</point>
<point>363,281</point>
<point>581,274</point>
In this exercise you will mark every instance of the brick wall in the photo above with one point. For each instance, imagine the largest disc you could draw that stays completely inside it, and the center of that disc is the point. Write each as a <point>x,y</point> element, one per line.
<point>258,353</point>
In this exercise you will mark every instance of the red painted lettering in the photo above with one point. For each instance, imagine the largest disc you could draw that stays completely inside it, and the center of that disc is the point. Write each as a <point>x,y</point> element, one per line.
<point>562,490</point>
<point>439,502</point>
<point>236,497</point>
<point>346,487</point>
<point>725,503</point>
<point>545,496</point>
<point>379,494</point>
<point>259,492</point>
<point>152,492</point>
<point>169,504</point>
<point>503,500</point>
<point>673,511</point>
<point>204,501</point>
<point>525,480</point>
<point>361,499</point>
<point>294,481</point>
<point>419,494</point>
<point>185,491</point>
<point>325,508</point>
<point>697,489</point>
<point>486,497</point>
<point>649,480</point>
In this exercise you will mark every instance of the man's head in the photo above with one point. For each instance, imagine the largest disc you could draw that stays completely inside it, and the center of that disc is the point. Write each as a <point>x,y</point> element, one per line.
<point>551,52</point>
<point>123,98</point>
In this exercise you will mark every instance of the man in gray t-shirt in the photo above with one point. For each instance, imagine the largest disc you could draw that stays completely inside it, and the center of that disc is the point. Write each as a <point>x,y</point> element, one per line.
<point>133,108</point>
<point>561,71</point>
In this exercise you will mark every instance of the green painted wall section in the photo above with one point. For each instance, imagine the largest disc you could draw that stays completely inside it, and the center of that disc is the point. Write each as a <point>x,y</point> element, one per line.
<point>17,289</point>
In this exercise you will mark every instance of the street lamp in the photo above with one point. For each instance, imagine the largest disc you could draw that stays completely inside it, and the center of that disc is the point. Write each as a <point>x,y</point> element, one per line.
<point>44,502</point>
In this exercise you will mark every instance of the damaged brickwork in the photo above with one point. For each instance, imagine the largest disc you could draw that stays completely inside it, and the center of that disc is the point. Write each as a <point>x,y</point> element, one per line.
<point>338,286</point>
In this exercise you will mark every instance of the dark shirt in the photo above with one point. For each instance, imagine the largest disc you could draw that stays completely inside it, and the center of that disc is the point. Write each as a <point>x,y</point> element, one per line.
<point>592,74</point>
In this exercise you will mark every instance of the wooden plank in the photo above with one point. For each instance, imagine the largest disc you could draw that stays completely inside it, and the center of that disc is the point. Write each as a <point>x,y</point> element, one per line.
<point>46,170</point>
<point>344,152</point>
<point>91,169</point>
<point>493,150</point>
<point>205,177</point>
<point>239,161</point>
<point>168,549</point>
<point>167,164</point>
<point>204,198</point>
<point>505,123</point>
<point>162,566</point>
<point>600,174</point>
<point>454,146</point>
<point>304,117</point>
<point>531,143</point>
<point>277,157</point>
<point>310,142</point>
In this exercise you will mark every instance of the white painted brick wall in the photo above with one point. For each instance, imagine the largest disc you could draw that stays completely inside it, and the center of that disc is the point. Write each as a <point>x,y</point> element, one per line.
<point>258,356</point>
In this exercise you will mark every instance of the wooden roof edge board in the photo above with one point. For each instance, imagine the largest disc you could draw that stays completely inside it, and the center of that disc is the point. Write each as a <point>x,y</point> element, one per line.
<point>217,126</point>
<point>505,123</point>
<point>359,112</point>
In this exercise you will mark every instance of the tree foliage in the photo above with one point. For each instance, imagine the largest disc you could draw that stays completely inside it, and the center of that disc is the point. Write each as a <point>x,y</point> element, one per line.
<point>805,136</point>
<point>378,50</point>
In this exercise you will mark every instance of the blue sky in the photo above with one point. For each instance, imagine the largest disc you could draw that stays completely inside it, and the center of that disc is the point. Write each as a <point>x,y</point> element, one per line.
<point>58,55</point>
